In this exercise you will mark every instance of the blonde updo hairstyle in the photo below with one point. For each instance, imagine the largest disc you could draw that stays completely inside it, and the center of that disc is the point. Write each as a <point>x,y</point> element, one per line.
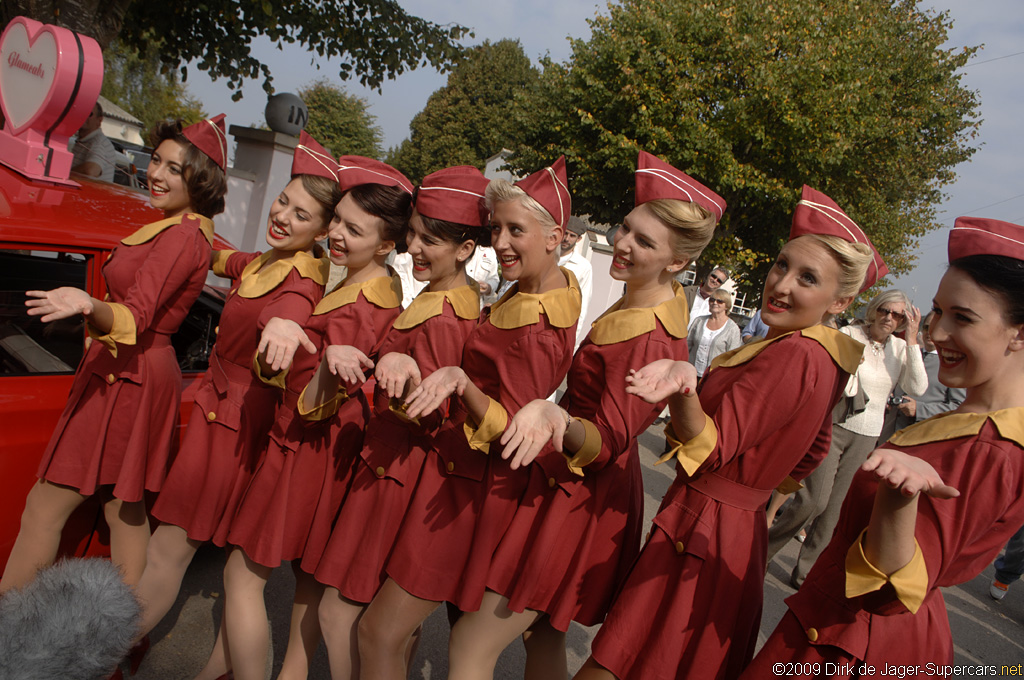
<point>502,190</point>
<point>853,258</point>
<point>692,225</point>
<point>326,192</point>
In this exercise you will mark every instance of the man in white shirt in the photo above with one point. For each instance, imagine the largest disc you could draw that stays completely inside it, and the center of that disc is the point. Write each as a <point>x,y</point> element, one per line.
<point>572,260</point>
<point>483,268</point>
<point>93,154</point>
<point>698,296</point>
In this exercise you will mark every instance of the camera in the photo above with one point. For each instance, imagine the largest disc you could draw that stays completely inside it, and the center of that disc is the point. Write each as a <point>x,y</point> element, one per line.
<point>896,401</point>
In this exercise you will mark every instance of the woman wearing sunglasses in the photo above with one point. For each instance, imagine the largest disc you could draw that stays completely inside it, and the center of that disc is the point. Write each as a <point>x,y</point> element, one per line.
<point>888,361</point>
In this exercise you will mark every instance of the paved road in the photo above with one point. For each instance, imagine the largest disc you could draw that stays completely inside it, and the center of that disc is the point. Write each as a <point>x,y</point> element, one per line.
<point>984,631</point>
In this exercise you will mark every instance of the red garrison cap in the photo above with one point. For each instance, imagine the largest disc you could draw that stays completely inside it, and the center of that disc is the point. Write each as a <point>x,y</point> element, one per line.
<point>550,188</point>
<point>981,236</point>
<point>354,171</point>
<point>818,214</point>
<point>454,195</point>
<point>657,179</point>
<point>313,159</point>
<point>210,137</point>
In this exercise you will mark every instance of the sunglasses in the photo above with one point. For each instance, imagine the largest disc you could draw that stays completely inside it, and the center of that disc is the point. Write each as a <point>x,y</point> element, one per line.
<point>714,301</point>
<point>715,278</point>
<point>897,316</point>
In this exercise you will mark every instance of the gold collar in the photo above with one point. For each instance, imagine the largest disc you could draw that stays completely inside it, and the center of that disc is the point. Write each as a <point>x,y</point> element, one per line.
<point>150,231</point>
<point>259,278</point>
<point>383,291</point>
<point>619,325</point>
<point>561,306</point>
<point>465,300</point>
<point>843,349</point>
<point>953,425</point>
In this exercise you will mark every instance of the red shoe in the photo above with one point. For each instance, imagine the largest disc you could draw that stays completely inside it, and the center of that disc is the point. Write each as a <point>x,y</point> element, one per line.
<point>137,654</point>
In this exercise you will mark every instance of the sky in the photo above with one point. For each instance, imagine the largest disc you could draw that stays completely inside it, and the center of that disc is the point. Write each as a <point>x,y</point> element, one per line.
<point>991,184</point>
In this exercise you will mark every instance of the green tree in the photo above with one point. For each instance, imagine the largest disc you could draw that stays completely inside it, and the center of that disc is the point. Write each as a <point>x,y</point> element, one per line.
<point>757,97</point>
<point>467,121</point>
<point>340,121</point>
<point>143,86</point>
<point>373,39</point>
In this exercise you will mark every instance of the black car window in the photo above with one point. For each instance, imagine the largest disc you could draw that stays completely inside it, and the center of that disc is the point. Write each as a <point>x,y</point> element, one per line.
<point>194,339</point>
<point>28,346</point>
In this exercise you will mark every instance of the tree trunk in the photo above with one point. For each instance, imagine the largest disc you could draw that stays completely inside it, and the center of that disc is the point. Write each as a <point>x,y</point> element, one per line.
<point>98,19</point>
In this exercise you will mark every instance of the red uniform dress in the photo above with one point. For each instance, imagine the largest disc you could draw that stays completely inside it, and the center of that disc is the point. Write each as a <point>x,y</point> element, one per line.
<point>294,493</point>
<point>848,613</point>
<point>433,331</point>
<point>467,493</point>
<point>577,531</point>
<point>120,424</point>
<point>233,408</point>
<point>691,604</point>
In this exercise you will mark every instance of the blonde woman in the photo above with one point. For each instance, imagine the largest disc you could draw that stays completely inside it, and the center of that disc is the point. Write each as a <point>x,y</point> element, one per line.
<point>713,334</point>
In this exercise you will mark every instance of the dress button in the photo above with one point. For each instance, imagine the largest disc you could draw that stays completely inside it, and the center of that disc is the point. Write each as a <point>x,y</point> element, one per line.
<point>451,467</point>
<point>551,482</point>
<point>380,470</point>
<point>211,416</point>
<point>111,378</point>
<point>812,634</point>
<point>680,547</point>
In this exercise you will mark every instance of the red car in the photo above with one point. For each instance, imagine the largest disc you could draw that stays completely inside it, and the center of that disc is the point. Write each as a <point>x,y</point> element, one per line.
<point>53,236</point>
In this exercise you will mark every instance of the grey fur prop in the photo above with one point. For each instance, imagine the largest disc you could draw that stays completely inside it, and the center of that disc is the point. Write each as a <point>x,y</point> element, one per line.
<point>76,620</point>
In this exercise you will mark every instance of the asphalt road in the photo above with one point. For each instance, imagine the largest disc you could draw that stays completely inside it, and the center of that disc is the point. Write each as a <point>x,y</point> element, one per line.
<point>985,632</point>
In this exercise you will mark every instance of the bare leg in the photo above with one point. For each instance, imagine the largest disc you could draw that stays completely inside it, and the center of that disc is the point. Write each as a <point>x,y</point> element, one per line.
<point>545,652</point>
<point>245,615</point>
<point>129,536</point>
<point>47,509</point>
<point>219,662</point>
<point>167,559</point>
<point>304,631</point>
<point>479,637</point>
<point>773,506</point>
<point>592,670</point>
<point>339,619</point>
<point>385,631</point>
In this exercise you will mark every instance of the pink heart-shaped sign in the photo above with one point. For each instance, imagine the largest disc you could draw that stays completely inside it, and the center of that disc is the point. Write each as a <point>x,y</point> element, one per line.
<point>40,75</point>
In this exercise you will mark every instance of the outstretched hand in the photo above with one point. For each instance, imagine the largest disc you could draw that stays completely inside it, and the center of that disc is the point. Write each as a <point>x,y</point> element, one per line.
<point>907,474</point>
<point>661,379</point>
<point>397,373</point>
<point>532,427</point>
<point>913,324</point>
<point>435,388</point>
<point>59,303</point>
<point>280,340</point>
<point>347,363</point>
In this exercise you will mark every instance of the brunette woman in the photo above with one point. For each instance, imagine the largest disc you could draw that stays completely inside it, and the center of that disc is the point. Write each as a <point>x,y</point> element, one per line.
<point>119,428</point>
<point>448,218</point>
<point>577,529</point>
<point>935,505</point>
<point>465,499</point>
<point>691,604</point>
<point>233,408</point>
<point>294,494</point>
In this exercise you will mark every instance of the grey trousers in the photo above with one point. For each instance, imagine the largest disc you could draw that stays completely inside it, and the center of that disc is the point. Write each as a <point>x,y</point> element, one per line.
<point>820,501</point>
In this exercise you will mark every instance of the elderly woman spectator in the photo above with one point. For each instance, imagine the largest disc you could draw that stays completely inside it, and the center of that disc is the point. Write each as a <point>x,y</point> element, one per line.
<point>888,361</point>
<point>714,333</point>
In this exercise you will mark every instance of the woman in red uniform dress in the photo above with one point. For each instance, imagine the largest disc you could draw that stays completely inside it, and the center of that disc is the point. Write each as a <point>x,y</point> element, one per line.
<point>233,408</point>
<point>465,499</point>
<point>447,221</point>
<point>935,505</point>
<point>578,527</point>
<point>288,507</point>
<point>119,428</point>
<point>691,604</point>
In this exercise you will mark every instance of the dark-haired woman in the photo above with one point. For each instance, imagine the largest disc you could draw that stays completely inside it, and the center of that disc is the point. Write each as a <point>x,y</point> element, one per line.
<point>933,507</point>
<point>447,220</point>
<point>119,427</point>
<point>294,494</point>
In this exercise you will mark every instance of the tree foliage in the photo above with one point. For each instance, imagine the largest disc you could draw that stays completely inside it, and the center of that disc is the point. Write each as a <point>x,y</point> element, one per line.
<point>468,120</point>
<point>340,121</point>
<point>142,86</point>
<point>372,39</point>
<point>757,97</point>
